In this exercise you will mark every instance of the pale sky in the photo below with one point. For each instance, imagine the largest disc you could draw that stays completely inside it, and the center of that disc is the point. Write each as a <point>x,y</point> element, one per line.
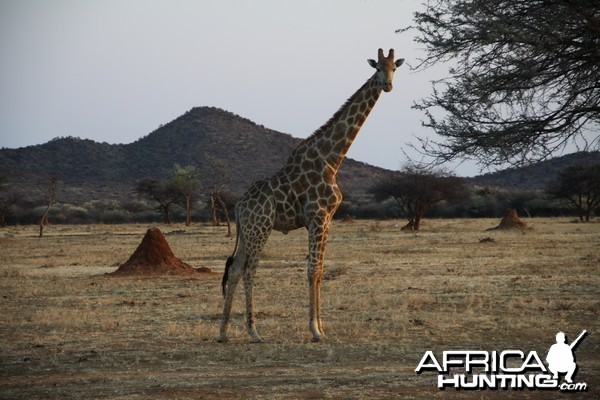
<point>114,70</point>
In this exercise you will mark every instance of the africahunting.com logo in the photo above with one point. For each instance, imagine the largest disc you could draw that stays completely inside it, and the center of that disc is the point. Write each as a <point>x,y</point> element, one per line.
<point>507,369</point>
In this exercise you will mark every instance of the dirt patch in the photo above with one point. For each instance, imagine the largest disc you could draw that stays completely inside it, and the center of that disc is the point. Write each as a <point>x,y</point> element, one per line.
<point>154,257</point>
<point>510,221</point>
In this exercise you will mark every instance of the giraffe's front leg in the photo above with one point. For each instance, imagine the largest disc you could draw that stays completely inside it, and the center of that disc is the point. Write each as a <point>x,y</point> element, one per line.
<point>318,303</point>
<point>315,276</point>
<point>317,239</point>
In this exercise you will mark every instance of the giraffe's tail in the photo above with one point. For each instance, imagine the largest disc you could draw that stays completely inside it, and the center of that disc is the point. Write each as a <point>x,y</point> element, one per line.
<point>226,274</point>
<point>230,260</point>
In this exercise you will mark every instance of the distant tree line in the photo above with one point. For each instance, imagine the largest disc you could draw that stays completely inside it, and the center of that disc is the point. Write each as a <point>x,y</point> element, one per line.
<point>412,194</point>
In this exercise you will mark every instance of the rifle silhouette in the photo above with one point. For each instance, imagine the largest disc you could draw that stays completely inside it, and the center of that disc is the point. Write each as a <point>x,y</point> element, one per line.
<point>576,341</point>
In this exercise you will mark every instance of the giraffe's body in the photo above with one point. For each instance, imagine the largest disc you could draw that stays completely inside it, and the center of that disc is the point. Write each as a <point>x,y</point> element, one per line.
<point>304,193</point>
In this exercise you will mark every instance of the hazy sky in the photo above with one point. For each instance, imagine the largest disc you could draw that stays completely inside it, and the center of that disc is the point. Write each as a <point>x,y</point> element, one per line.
<point>114,70</point>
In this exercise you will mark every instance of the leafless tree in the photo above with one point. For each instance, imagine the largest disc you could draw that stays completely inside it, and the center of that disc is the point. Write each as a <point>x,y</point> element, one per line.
<point>220,179</point>
<point>49,200</point>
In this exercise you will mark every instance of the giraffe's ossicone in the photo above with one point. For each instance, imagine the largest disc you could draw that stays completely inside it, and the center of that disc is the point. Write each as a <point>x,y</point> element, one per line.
<point>304,193</point>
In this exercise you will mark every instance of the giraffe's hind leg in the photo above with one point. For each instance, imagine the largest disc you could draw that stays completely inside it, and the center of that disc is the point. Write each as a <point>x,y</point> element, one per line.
<point>260,234</point>
<point>249,273</point>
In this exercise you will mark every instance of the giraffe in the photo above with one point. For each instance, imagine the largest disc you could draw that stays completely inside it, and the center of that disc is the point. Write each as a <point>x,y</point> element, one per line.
<point>304,193</point>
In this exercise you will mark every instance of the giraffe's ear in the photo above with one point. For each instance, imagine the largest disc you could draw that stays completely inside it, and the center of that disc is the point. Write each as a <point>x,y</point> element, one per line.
<point>372,63</point>
<point>399,62</point>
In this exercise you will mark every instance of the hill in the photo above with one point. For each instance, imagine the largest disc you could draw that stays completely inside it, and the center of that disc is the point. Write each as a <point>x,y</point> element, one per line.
<point>536,176</point>
<point>88,170</point>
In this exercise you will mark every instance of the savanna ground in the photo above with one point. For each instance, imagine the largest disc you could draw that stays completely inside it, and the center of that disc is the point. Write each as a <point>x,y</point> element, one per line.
<point>68,331</point>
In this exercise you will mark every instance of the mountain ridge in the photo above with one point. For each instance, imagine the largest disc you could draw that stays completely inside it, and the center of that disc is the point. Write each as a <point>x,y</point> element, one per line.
<point>535,176</point>
<point>89,170</point>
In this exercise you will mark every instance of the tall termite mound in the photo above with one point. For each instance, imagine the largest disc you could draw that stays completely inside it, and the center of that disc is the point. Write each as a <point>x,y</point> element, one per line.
<point>154,256</point>
<point>510,221</point>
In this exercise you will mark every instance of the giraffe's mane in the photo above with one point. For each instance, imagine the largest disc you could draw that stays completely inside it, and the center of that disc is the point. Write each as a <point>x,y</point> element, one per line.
<point>338,113</point>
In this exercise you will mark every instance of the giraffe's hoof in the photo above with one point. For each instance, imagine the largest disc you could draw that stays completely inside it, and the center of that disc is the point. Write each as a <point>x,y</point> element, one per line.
<point>316,339</point>
<point>221,339</point>
<point>256,339</point>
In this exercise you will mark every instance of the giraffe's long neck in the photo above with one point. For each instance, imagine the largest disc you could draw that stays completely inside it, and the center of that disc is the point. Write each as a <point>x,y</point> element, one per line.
<point>331,142</point>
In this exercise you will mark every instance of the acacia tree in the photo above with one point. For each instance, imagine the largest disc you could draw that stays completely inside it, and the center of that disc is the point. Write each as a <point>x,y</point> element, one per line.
<point>415,190</point>
<point>184,181</point>
<point>580,186</point>
<point>525,81</point>
<point>160,192</point>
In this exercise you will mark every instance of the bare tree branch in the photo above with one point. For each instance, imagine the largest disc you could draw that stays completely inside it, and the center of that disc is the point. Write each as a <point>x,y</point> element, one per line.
<point>525,81</point>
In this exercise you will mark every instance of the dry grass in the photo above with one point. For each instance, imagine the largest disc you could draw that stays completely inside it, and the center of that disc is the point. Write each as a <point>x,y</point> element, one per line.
<point>67,331</point>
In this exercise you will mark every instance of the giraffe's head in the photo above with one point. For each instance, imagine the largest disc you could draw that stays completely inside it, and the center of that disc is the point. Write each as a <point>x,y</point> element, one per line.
<point>385,67</point>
